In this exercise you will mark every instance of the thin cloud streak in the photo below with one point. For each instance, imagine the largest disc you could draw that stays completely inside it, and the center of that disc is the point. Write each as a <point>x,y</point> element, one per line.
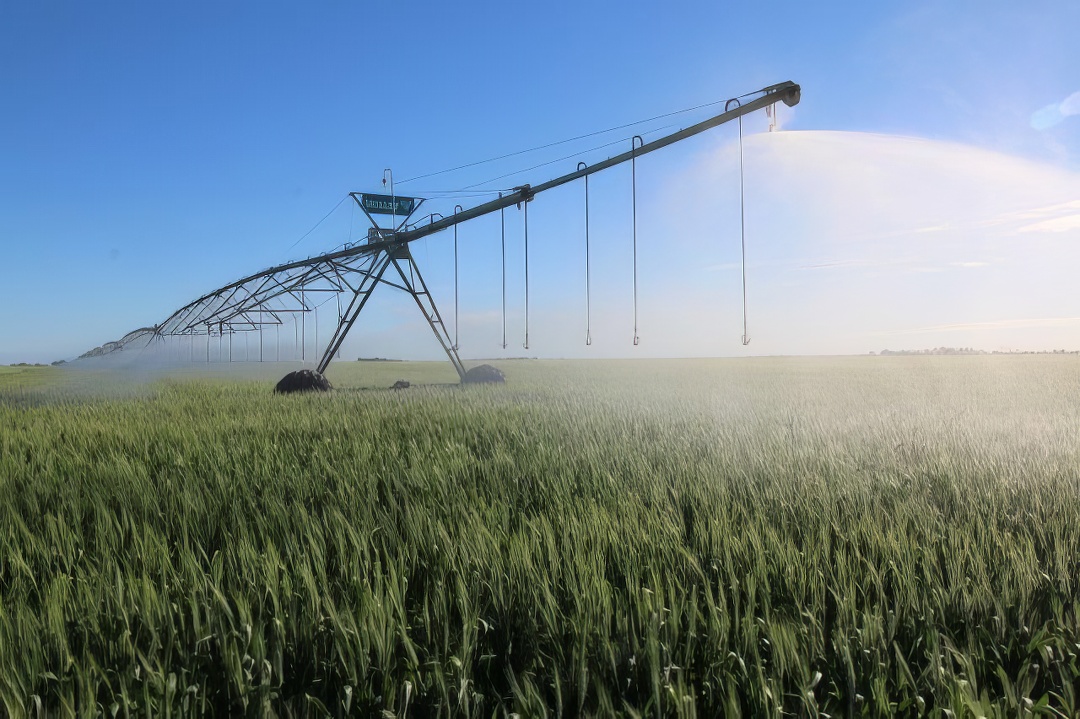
<point>1066,223</point>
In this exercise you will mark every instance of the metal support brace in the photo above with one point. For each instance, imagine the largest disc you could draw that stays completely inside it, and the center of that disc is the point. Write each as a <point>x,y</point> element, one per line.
<point>368,283</point>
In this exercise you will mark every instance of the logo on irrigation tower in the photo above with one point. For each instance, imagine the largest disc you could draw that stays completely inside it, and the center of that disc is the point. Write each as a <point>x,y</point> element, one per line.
<point>387,205</point>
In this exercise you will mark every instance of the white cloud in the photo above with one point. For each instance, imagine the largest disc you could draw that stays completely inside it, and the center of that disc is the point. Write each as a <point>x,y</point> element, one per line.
<point>1057,224</point>
<point>1071,104</point>
<point>1046,117</point>
<point>933,228</point>
<point>843,264</point>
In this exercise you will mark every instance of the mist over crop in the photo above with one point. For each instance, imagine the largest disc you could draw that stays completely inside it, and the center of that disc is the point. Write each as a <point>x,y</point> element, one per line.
<point>843,536</point>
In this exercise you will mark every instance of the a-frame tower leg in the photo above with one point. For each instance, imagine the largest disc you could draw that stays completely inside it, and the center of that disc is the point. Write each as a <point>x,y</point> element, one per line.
<point>413,283</point>
<point>426,303</point>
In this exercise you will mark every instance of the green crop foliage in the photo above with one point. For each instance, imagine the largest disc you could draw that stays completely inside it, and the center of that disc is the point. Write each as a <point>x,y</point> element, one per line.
<point>772,537</point>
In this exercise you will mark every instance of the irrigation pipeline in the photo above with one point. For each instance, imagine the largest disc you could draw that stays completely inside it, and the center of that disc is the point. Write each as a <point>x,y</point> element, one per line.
<point>364,263</point>
<point>787,92</point>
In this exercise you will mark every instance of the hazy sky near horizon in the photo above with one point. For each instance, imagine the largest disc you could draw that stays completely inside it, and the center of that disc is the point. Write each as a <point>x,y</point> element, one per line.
<point>925,192</point>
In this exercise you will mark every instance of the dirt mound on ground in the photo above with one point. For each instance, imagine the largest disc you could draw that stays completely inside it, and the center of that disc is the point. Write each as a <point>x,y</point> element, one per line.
<point>484,373</point>
<point>304,380</point>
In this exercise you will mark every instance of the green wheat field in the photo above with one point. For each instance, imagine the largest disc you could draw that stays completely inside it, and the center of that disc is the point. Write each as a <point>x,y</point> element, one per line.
<point>862,536</point>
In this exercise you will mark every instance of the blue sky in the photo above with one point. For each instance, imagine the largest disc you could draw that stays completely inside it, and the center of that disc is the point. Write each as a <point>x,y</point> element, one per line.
<point>150,152</point>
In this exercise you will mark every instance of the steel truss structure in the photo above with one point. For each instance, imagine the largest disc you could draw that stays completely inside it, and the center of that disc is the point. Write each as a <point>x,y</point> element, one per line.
<point>269,298</point>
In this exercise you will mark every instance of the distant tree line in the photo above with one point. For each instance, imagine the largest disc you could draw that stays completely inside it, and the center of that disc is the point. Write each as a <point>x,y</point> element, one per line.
<point>971,351</point>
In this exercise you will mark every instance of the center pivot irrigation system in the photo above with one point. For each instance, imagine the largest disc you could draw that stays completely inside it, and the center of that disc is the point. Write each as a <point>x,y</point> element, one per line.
<point>268,298</point>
